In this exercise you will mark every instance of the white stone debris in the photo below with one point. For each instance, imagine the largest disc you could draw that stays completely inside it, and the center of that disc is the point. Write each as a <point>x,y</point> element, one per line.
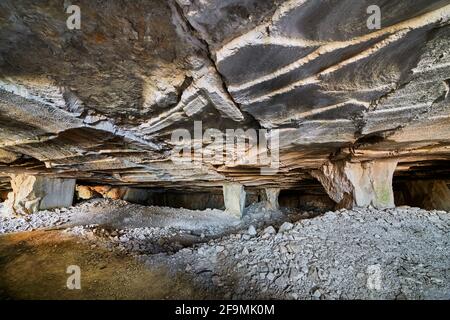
<point>365,253</point>
<point>331,257</point>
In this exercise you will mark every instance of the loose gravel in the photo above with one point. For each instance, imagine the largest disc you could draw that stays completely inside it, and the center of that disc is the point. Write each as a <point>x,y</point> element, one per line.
<point>401,253</point>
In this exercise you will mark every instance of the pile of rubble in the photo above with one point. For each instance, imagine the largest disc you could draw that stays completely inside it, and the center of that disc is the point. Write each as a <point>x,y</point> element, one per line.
<point>401,253</point>
<point>39,220</point>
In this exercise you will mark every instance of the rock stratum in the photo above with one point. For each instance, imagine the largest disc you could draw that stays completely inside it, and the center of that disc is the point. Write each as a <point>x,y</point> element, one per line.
<point>100,104</point>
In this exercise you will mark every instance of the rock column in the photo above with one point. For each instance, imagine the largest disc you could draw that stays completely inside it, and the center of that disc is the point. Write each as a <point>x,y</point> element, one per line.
<point>271,198</point>
<point>33,193</point>
<point>234,198</point>
<point>359,184</point>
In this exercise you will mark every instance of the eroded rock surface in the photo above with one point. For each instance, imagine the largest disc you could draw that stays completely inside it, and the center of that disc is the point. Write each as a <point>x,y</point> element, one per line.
<point>33,193</point>
<point>100,104</point>
<point>430,194</point>
<point>359,184</point>
<point>234,198</point>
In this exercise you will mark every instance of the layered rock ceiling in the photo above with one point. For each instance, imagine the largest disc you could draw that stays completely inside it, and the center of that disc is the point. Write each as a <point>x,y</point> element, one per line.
<point>100,103</point>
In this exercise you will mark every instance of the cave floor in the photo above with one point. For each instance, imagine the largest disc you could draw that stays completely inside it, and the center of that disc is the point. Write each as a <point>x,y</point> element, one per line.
<point>128,251</point>
<point>33,266</point>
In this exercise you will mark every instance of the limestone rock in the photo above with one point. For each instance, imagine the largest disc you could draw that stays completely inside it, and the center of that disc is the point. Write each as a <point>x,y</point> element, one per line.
<point>286,226</point>
<point>271,197</point>
<point>84,192</point>
<point>101,103</point>
<point>234,197</point>
<point>359,184</point>
<point>34,193</point>
<point>251,231</point>
<point>430,194</point>
<point>269,231</point>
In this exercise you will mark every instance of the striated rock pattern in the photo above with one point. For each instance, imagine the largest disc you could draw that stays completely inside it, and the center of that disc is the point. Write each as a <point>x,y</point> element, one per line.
<point>100,104</point>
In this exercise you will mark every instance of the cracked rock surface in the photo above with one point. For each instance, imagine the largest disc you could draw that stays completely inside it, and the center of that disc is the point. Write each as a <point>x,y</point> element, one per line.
<point>100,103</point>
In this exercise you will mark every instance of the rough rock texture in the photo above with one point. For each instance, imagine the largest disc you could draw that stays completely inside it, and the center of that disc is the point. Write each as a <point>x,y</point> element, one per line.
<point>398,253</point>
<point>271,196</point>
<point>359,184</point>
<point>33,193</point>
<point>85,192</point>
<point>100,103</point>
<point>432,194</point>
<point>234,198</point>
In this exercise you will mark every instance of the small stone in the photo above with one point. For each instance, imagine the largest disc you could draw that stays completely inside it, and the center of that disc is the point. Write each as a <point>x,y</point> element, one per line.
<point>251,231</point>
<point>285,227</point>
<point>317,294</point>
<point>269,230</point>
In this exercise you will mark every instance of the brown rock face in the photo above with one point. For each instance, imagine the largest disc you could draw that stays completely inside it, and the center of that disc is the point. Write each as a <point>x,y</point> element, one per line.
<point>85,193</point>
<point>101,104</point>
<point>3,195</point>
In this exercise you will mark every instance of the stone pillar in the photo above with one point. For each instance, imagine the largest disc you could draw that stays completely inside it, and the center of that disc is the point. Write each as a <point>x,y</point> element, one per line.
<point>34,193</point>
<point>234,198</point>
<point>359,184</point>
<point>429,194</point>
<point>271,198</point>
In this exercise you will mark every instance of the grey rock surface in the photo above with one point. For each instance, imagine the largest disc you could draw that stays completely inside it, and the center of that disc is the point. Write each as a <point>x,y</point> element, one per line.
<point>100,103</point>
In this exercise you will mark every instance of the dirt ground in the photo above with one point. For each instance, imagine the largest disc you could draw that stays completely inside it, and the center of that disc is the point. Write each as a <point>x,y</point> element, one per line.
<point>33,266</point>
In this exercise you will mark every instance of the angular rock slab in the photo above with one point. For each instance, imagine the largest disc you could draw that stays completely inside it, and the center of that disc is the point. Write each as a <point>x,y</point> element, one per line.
<point>34,193</point>
<point>359,184</point>
<point>234,198</point>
